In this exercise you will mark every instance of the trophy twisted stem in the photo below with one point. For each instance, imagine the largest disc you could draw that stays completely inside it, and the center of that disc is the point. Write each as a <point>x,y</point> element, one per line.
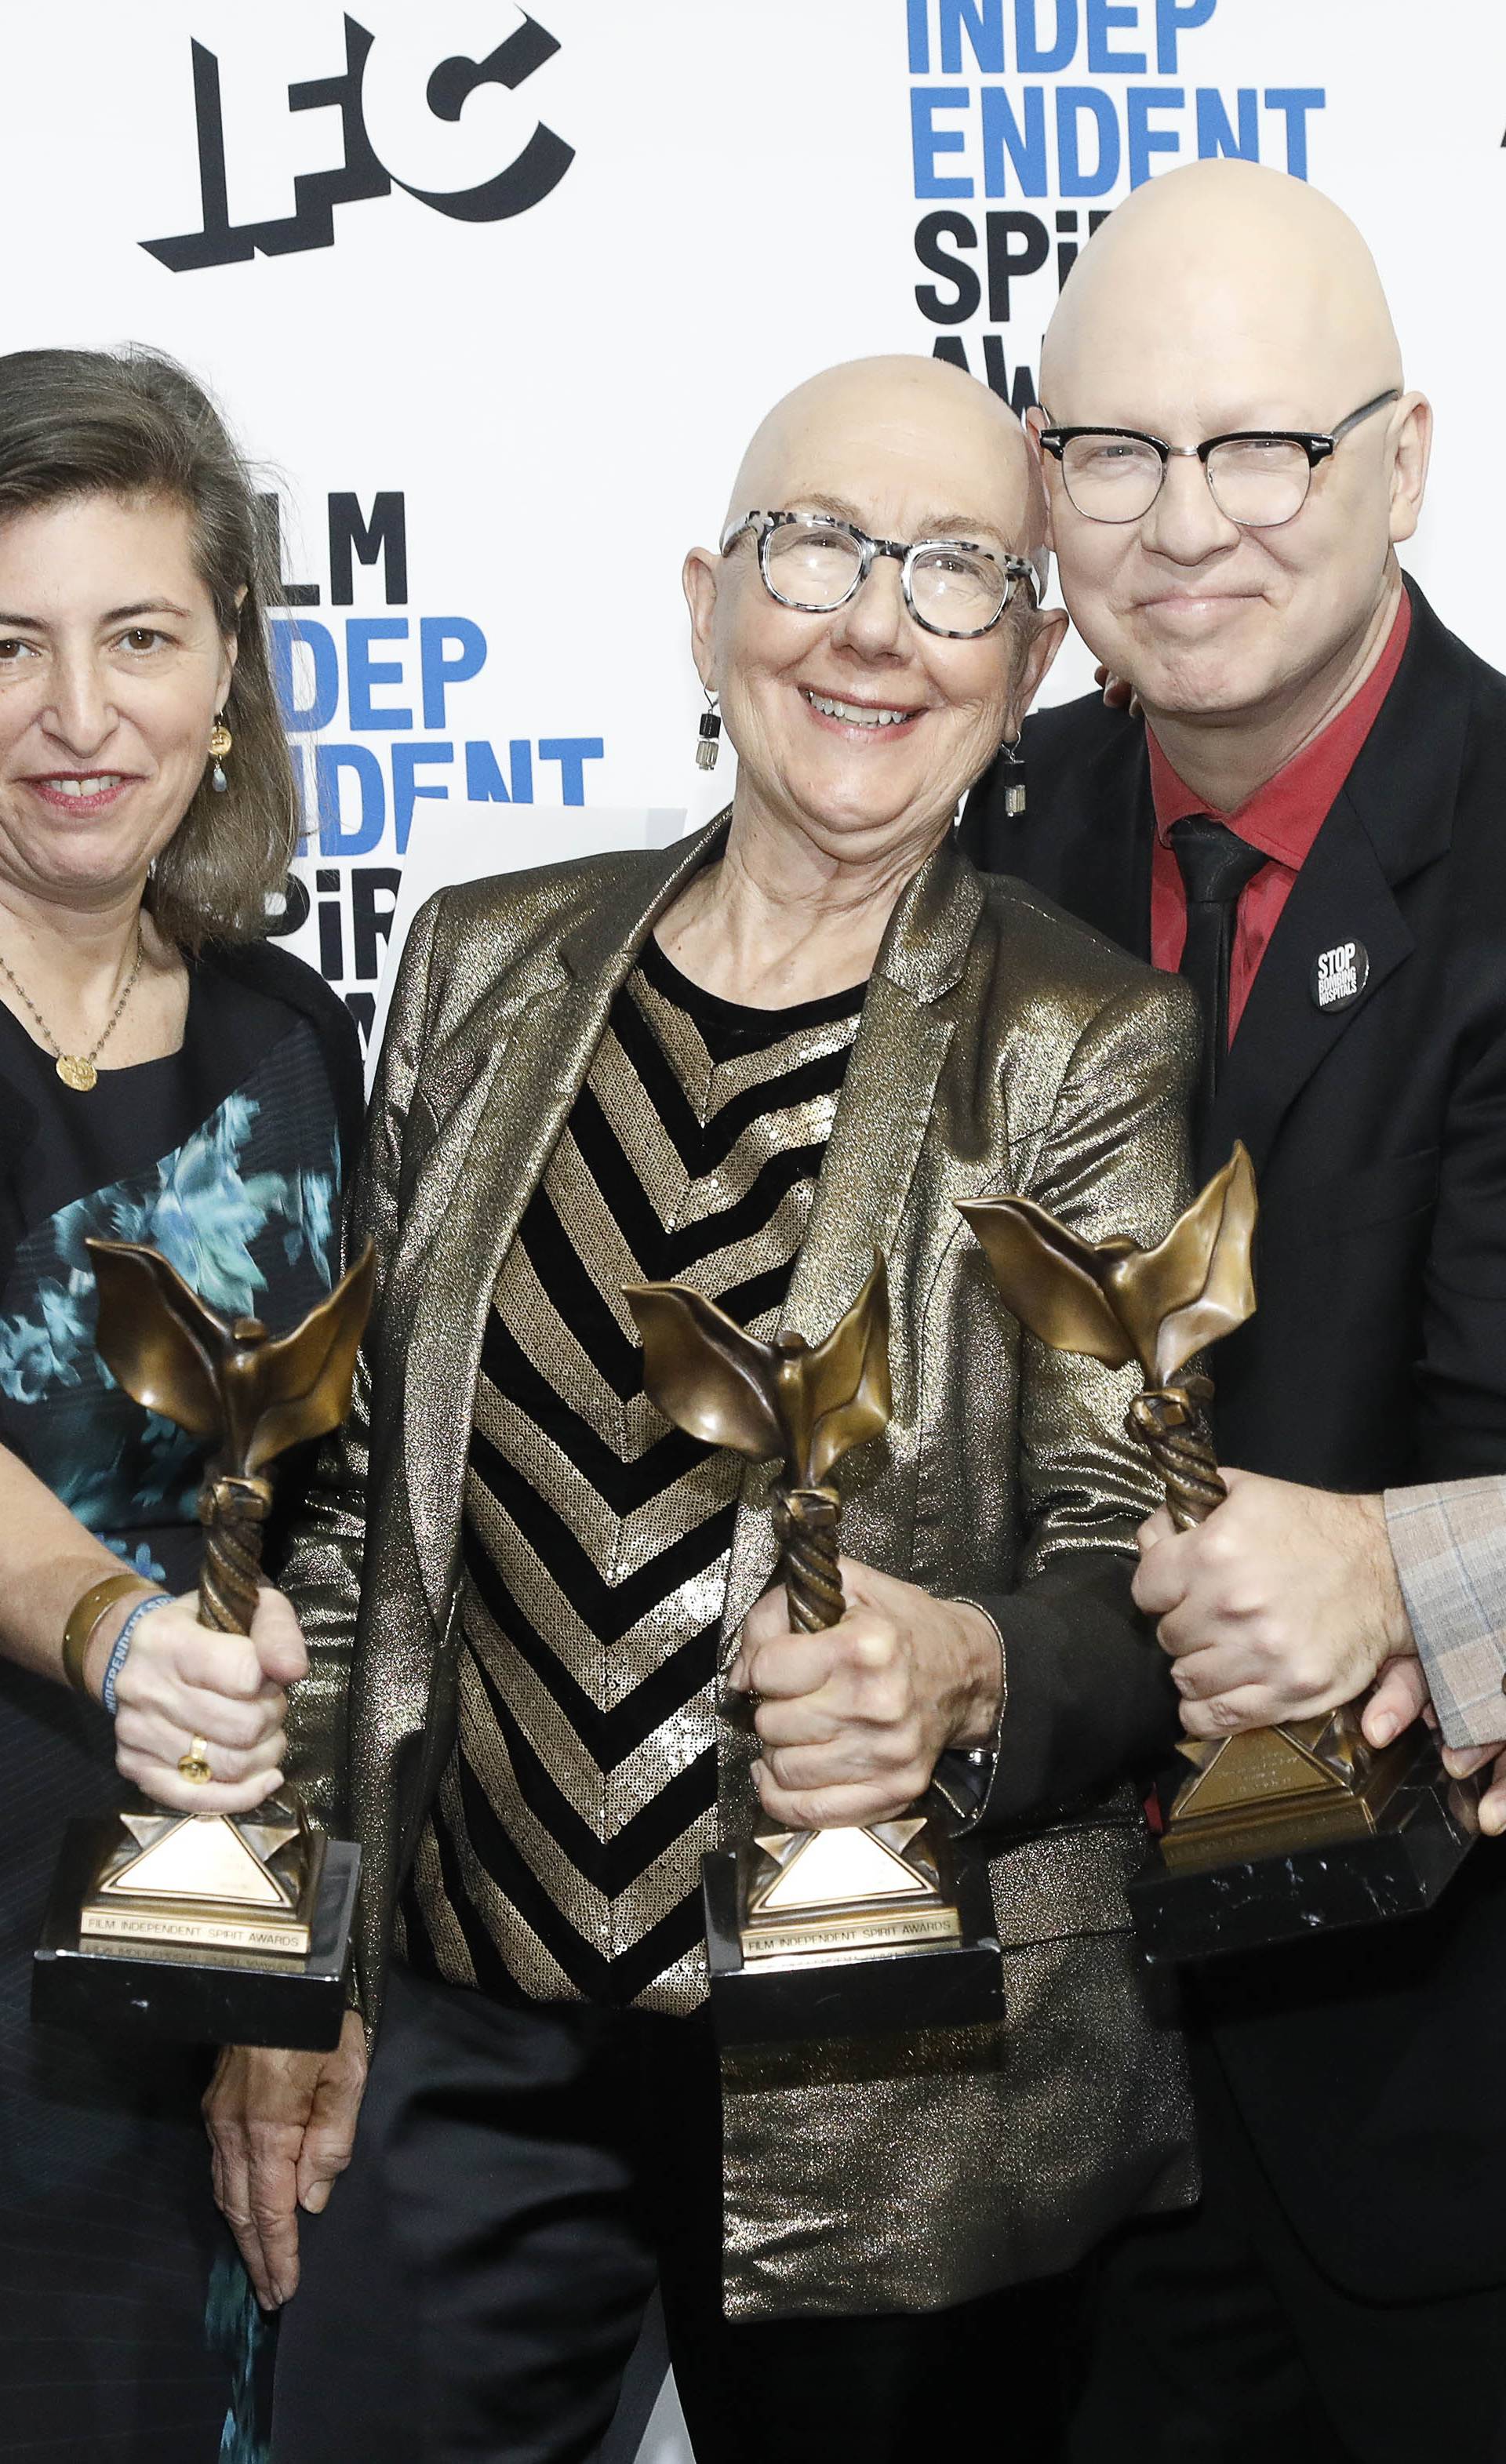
<point>234,1512</point>
<point>805,1527</point>
<point>1169,1420</point>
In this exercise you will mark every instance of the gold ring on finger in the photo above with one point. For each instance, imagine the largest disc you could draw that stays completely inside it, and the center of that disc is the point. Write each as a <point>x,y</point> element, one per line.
<point>195,1764</point>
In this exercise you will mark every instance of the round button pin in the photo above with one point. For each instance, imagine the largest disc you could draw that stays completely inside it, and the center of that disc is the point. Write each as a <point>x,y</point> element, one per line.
<point>1340,974</point>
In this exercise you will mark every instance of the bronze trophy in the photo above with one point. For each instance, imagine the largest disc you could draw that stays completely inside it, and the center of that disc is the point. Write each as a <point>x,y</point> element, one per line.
<point>1278,1833</point>
<point>816,1932</point>
<point>230,1927</point>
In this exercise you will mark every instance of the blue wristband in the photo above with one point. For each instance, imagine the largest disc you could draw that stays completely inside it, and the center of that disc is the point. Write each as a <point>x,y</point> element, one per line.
<point>123,1644</point>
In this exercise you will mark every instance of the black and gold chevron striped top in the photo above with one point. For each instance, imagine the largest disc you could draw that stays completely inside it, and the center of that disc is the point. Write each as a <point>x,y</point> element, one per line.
<point>562,1858</point>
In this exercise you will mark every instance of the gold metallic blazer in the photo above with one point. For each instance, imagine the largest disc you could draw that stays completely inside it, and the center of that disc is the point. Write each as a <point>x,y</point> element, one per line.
<point>1001,1048</point>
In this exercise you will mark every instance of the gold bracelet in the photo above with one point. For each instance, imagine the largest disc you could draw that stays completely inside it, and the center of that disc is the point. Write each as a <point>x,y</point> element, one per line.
<point>85,1615</point>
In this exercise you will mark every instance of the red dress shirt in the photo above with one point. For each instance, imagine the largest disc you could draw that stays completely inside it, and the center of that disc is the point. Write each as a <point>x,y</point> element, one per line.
<point>1282,819</point>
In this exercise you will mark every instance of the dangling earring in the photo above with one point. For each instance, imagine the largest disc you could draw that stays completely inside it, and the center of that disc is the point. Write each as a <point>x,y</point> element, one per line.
<point>220,743</point>
<point>710,732</point>
<point>1014,790</point>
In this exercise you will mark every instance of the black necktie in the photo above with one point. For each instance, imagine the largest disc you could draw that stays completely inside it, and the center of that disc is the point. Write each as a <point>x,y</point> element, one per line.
<point>1215,864</point>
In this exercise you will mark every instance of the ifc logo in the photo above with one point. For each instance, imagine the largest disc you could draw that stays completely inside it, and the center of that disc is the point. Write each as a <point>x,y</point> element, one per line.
<point>375,96</point>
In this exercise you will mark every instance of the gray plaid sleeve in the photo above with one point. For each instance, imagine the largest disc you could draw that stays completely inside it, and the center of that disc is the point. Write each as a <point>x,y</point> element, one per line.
<point>1449,1540</point>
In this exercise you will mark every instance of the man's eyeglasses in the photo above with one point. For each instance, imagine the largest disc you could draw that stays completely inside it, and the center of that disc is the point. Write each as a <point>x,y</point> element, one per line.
<point>815,563</point>
<point>1258,477</point>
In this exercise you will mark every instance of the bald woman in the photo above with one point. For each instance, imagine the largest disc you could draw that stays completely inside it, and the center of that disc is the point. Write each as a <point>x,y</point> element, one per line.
<point>1303,813</point>
<point>532,1608</point>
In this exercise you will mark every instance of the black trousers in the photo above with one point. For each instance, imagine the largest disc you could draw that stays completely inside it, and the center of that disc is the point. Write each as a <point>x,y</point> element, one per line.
<point>1213,2338</point>
<point>520,2178</point>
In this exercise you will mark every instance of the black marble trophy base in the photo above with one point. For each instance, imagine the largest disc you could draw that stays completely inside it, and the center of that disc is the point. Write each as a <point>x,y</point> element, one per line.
<point>220,1997</point>
<point>849,1993</point>
<point>1252,1903</point>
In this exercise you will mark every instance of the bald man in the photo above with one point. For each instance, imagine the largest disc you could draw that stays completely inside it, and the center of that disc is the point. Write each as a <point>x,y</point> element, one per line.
<point>1302,811</point>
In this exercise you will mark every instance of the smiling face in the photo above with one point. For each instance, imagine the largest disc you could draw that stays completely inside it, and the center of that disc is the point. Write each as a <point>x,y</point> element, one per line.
<point>1226,296</point>
<point>111,669</point>
<point>859,728</point>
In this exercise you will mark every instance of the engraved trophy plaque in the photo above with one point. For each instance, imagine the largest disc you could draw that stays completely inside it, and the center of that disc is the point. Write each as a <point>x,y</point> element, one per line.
<point>232,1928</point>
<point>1277,1833</point>
<point>837,1932</point>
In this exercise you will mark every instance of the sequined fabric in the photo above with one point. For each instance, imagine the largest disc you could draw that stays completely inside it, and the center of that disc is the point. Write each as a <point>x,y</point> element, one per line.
<point>958,2159</point>
<point>1001,1048</point>
<point>562,1858</point>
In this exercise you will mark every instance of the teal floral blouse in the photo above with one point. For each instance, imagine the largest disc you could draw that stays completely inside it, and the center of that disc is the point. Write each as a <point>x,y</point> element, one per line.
<point>123,2301</point>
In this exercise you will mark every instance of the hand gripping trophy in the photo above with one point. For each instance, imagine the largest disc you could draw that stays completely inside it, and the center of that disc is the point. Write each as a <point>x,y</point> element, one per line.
<point>232,1927</point>
<point>814,1932</point>
<point>1278,1832</point>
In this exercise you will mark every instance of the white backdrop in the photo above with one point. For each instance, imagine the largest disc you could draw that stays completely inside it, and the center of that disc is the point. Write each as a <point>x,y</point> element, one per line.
<point>497,299</point>
<point>644,219</point>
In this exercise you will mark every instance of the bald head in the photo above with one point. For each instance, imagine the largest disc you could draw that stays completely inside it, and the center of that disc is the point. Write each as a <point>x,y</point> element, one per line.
<point>1216,300</point>
<point>858,434</point>
<point>1241,282</point>
<point>863,699</point>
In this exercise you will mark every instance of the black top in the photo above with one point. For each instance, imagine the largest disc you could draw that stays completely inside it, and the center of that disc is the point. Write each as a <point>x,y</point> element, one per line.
<point>727,1028</point>
<point>225,1157</point>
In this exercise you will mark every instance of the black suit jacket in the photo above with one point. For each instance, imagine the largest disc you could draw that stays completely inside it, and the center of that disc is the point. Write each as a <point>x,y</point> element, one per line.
<point>1367,2066</point>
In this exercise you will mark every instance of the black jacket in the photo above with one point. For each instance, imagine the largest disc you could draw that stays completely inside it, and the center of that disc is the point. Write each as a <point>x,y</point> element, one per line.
<point>1367,2066</point>
<point>267,967</point>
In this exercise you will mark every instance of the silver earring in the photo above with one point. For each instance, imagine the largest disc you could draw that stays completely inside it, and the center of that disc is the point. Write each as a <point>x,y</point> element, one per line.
<point>220,743</point>
<point>1014,790</point>
<point>710,732</point>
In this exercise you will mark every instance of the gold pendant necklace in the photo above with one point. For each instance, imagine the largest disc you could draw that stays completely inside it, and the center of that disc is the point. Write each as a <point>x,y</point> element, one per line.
<point>76,1069</point>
